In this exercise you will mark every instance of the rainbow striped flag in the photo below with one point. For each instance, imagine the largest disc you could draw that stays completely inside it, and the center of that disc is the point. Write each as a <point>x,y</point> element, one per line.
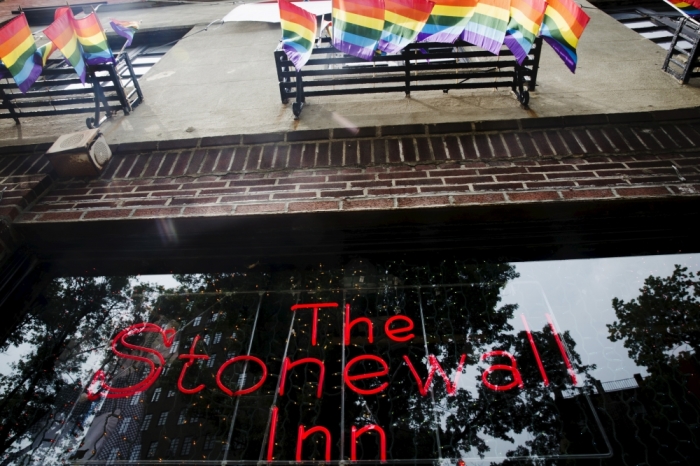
<point>126,29</point>
<point>44,52</point>
<point>358,26</point>
<point>685,7</point>
<point>563,24</point>
<point>447,21</point>
<point>298,33</point>
<point>17,49</point>
<point>93,40</point>
<point>488,24</point>
<point>525,21</point>
<point>403,20</point>
<point>62,34</point>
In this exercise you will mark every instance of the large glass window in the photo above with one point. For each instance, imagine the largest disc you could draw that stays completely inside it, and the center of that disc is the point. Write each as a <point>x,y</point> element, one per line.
<point>445,360</point>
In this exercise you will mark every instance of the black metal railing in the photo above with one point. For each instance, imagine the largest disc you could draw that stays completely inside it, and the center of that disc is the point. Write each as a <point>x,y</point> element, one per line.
<point>420,67</point>
<point>58,91</point>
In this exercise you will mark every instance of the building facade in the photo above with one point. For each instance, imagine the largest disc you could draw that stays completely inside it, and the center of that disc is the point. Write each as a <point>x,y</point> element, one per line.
<point>427,280</point>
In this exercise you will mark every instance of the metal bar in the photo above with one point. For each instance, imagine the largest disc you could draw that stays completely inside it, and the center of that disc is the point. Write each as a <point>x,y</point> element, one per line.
<point>537,46</point>
<point>45,103</point>
<point>137,86</point>
<point>407,77</point>
<point>41,113</point>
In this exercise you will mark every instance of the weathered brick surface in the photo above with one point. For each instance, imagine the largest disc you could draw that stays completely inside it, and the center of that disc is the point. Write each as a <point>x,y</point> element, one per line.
<point>402,169</point>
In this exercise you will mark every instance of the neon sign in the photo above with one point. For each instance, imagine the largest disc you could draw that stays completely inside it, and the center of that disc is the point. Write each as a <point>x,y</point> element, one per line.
<point>397,329</point>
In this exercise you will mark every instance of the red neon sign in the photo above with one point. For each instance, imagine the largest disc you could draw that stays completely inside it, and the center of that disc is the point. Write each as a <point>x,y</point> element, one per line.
<point>354,433</point>
<point>242,391</point>
<point>349,379</point>
<point>517,379</point>
<point>394,333</point>
<point>303,434</point>
<point>349,324</point>
<point>315,307</point>
<point>562,350</point>
<point>154,372</point>
<point>534,350</point>
<point>435,366</point>
<point>190,357</point>
<point>287,365</point>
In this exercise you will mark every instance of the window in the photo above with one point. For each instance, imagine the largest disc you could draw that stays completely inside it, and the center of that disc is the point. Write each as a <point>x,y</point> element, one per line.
<point>171,393</point>
<point>135,453</point>
<point>156,395</point>
<point>187,446</point>
<point>135,399</point>
<point>125,425</point>
<point>173,347</point>
<point>152,449</point>
<point>217,338</point>
<point>183,417</point>
<point>197,321</point>
<point>210,362</point>
<point>209,442</point>
<point>166,369</point>
<point>174,443</point>
<point>206,340</point>
<point>214,317</point>
<point>194,417</point>
<point>163,417</point>
<point>146,422</point>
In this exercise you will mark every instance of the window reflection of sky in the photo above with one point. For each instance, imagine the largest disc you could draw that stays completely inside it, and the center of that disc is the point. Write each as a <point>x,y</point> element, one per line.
<point>578,293</point>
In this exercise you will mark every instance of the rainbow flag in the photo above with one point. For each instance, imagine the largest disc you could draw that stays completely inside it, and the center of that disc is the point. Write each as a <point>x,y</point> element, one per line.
<point>447,21</point>
<point>403,20</point>
<point>358,26</point>
<point>298,33</point>
<point>488,24</point>
<point>126,29</point>
<point>17,49</point>
<point>93,40</point>
<point>563,24</point>
<point>62,34</point>
<point>685,7</point>
<point>43,53</point>
<point>525,21</point>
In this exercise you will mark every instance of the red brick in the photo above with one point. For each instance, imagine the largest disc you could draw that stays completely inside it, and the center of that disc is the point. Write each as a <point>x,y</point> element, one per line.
<point>469,179</point>
<point>206,192</point>
<point>439,151</point>
<point>209,160</point>
<point>210,184</point>
<point>482,145</point>
<point>423,201</point>
<point>268,156</point>
<point>70,192</point>
<point>111,213</point>
<point>257,189</point>
<point>322,157</point>
<point>167,164</point>
<point>443,189</point>
<point>259,208</point>
<point>550,168</point>
<point>521,177</point>
<point>281,158</point>
<point>208,210</point>
<point>370,184</point>
<point>453,149</point>
<point>178,193</point>
<point>195,162</point>
<point>630,138</point>
<point>549,184</point>
<point>587,193</point>
<point>233,159</point>
<point>95,205</point>
<point>344,193</point>
<point>572,143</point>
<point>294,195</point>
<point>194,200</point>
<point>125,167</point>
<point>497,186</point>
<point>501,170</point>
<point>534,196</point>
<point>245,198</point>
<point>420,182</point>
<point>463,199</point>
<point>560,175</point>
<point>511,142</point>
<point>150,202</point>
<point>409,150</point>
<point>81,198</point>
<point>54,216</point>
<point>540,139</point>
<point>302,179</point>
<point>528,144</point>
<point>323,186</point>
<point>601,182</point>
<point>598,136</point>
<point>308,158</point>
<point>153,165</point>
<point>357,204</point>
<point>254,182</point>
<point>397,175</point>
<point>468,147</point>
<point>423,152</point>
<point>336,157</point>
<point>312,206</point>
<point>642,191</point>
<point>380,154</point>
<point>356,177</point>
<point>393,150</point>
<point>157,212</point>
<point>391,191</point>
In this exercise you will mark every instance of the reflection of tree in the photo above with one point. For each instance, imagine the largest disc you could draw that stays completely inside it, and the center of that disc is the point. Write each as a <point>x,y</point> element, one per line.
<point>61,328</point>
<point>662,323</point>
<point>660,330</point>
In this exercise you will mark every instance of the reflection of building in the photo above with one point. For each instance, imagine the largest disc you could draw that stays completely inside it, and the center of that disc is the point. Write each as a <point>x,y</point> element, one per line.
<point>212,174</point>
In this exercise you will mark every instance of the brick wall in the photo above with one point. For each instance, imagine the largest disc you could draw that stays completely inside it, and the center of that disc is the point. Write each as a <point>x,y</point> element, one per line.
<point>374,168</point>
